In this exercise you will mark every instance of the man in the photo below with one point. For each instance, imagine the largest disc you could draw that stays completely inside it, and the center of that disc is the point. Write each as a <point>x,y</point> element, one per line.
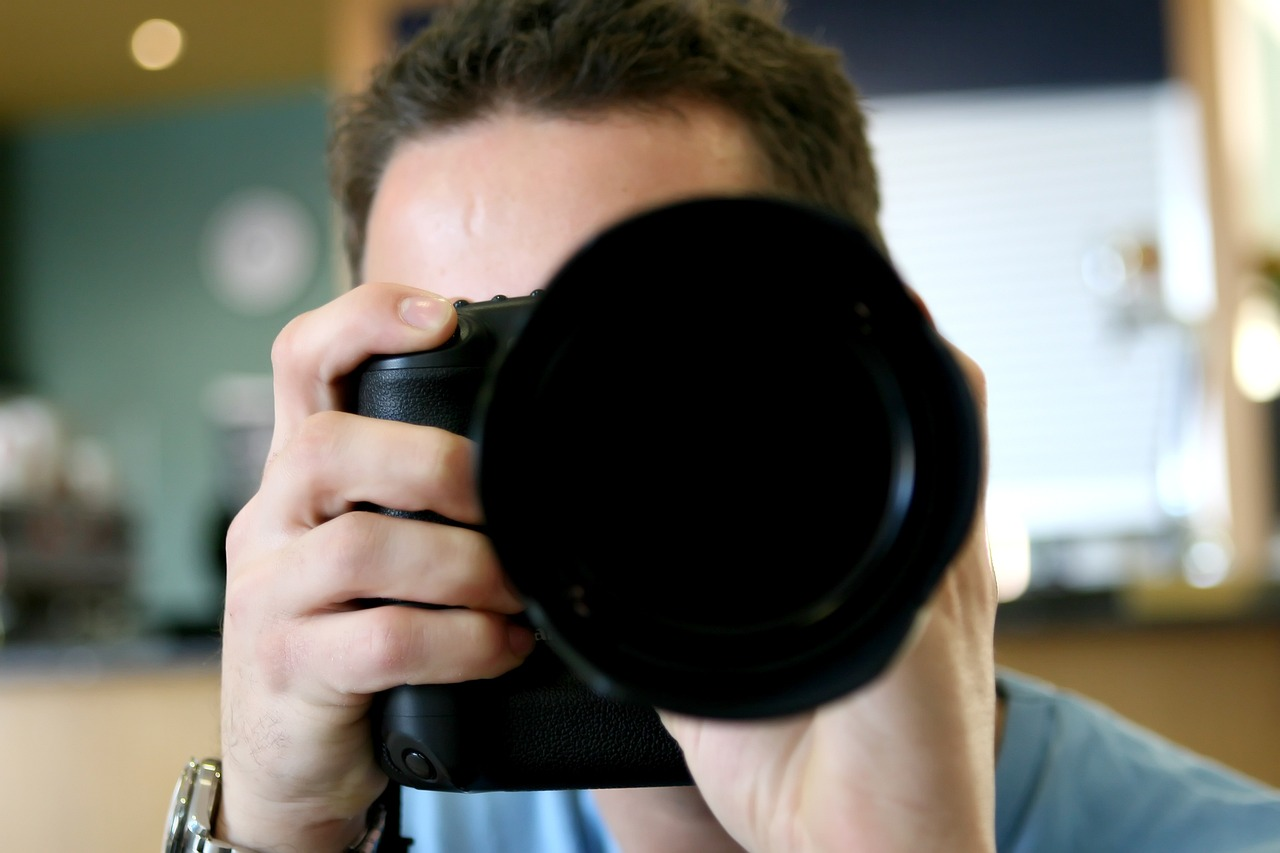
<point>476,162</point>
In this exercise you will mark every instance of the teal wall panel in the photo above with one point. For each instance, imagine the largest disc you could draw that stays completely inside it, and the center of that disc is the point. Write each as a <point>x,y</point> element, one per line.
<point>8,345</point>
<point>112,319</point>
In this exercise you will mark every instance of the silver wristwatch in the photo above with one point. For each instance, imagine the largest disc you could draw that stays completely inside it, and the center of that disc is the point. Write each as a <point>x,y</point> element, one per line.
<point>195,808</point>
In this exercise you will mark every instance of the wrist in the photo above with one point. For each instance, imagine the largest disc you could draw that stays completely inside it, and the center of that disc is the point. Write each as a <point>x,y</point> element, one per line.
<point>262,825</point>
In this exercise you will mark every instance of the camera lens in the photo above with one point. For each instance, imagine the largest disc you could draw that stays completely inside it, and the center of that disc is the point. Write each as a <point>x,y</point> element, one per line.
<point>736,510</point>
<point>702,464</point>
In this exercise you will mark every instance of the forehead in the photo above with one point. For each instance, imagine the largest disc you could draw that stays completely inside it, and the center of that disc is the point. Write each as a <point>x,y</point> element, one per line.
<point>496,205</point>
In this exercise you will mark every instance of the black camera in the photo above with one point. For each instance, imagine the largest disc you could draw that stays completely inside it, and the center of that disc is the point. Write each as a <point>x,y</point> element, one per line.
<point>723,457</point>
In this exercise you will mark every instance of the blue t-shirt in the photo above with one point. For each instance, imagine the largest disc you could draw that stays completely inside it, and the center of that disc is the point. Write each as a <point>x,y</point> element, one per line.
<point>1072,776</point>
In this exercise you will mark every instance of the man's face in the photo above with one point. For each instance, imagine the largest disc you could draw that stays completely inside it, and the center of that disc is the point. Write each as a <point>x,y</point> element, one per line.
<point>496,206</point>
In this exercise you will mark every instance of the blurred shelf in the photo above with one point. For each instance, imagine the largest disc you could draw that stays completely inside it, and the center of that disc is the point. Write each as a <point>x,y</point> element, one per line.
<point>1148,606</point>
<point>79,661</point>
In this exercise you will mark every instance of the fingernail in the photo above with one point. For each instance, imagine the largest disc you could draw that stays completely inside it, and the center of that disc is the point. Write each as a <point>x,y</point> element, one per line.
<point>425,312</point>
<point>520,639</point>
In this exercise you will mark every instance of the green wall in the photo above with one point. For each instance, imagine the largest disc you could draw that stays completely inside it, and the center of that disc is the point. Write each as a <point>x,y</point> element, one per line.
<point>8,352</point>
<point>109,315</point>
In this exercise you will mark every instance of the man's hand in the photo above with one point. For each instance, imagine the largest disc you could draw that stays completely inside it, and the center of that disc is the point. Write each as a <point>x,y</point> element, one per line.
<point>903,765</point>
<point>300,657</point>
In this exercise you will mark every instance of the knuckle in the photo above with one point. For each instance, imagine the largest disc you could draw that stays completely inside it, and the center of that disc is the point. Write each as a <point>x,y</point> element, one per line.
<point>978,378</point>
<point>429,461</point>
<point>289,341</point>
<point>388,644</point>
<point>245,597</point>
<point>453,456</point>
<point>485,581</point>
<point>437,647</point>
<point>264,636</point>
<point>317,439</point>
<point>237,538</point>
<point>448,459</point>
<point>486,642</point>
<point>238,603</point>
<point>975,375</point>
<point>347,543</point>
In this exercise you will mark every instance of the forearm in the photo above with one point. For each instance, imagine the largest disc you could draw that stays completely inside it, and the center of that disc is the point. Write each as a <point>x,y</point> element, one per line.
<point>663,820</point>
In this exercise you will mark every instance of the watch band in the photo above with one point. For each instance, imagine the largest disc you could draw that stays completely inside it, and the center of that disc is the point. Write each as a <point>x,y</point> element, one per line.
<point>194,812</point>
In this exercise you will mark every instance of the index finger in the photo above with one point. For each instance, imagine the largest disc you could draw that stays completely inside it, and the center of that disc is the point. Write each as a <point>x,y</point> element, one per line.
<point>317,350</point>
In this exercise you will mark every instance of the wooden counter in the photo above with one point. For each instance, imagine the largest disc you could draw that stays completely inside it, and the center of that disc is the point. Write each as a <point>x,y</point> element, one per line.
<point>90,752</point>
<point>1212,686</point>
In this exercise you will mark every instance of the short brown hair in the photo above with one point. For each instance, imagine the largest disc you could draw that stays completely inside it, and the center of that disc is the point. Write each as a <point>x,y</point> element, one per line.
<point>582,57</point>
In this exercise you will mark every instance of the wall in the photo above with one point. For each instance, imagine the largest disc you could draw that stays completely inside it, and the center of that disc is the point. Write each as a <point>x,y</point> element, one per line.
<point>112,318</point>
<point>8,354</point>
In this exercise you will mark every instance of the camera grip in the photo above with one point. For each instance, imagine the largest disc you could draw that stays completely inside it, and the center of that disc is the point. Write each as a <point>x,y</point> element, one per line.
<point>538,727</point>
<point>426,396</point>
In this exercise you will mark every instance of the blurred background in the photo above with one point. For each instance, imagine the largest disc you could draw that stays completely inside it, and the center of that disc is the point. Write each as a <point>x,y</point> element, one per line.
<point>1086,193</point>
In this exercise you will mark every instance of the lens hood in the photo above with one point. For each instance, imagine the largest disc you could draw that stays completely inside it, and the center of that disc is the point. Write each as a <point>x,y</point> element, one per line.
<point>727,459</point>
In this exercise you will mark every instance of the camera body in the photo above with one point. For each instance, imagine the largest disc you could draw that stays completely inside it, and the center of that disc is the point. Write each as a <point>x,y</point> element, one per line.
<point>731,502</point>
<point>538,726</point>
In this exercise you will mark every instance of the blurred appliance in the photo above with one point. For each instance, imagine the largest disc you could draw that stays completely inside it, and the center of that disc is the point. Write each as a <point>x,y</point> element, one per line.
<point>65,574</point>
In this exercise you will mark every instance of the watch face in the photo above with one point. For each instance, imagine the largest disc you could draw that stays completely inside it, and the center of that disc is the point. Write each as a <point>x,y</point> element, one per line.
<point>178,810</point>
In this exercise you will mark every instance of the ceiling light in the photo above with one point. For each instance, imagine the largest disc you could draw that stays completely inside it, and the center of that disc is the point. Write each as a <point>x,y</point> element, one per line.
<point>156,44</point>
